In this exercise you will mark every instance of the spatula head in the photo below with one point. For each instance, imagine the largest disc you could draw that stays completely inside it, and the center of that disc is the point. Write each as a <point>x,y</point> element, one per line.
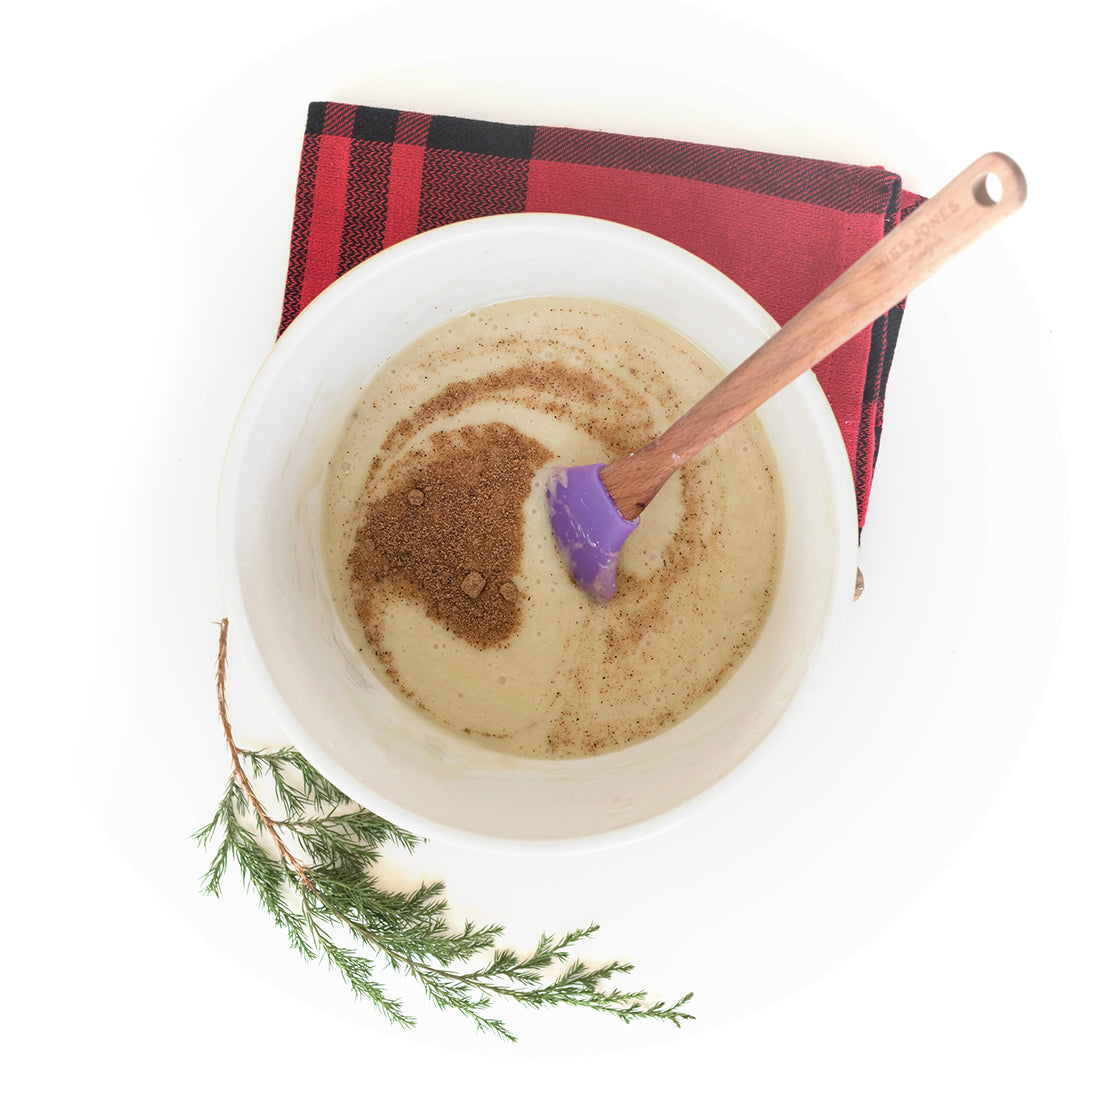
<point>588,527</point>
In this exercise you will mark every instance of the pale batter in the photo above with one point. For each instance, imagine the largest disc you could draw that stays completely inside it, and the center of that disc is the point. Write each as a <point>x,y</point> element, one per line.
<point>541,670</point>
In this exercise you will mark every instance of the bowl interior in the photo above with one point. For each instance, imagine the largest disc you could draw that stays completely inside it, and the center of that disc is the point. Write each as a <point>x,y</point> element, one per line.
<point>350,726</point>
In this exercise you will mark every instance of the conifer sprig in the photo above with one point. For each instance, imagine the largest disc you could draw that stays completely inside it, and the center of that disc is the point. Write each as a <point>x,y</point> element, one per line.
<point>311,865</point>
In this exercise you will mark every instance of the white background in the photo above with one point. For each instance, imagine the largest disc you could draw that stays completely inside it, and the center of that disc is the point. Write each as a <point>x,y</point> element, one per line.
<point>919,918</point>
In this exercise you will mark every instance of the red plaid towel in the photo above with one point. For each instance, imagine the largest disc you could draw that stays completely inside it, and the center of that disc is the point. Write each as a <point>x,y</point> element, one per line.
<point>781,227</point>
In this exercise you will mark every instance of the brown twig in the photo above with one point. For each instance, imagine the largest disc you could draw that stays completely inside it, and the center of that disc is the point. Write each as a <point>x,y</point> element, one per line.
<point>238,769</point>
<point>269,824</point>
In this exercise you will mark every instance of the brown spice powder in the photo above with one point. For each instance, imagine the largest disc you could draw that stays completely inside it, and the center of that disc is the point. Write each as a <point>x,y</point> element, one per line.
<point>449,533</point>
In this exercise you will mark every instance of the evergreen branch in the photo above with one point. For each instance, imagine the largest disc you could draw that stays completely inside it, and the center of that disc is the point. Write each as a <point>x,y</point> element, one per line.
<point>311,869</point>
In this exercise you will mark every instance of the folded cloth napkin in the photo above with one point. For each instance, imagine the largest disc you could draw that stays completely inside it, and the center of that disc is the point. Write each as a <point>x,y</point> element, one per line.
<point>781,227</point>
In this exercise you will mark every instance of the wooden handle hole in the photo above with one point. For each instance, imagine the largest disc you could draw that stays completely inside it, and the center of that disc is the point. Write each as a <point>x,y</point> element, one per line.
<point>988,189</point>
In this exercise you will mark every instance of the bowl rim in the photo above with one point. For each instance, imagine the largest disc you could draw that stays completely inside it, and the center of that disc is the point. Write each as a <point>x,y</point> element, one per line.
<point>815,404</point>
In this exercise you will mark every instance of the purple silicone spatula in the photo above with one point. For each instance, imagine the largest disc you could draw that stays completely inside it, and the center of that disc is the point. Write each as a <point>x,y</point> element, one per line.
<point>594,508</point>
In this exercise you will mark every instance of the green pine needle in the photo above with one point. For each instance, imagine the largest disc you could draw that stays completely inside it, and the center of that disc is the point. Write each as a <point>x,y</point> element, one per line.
<point>310,865</point>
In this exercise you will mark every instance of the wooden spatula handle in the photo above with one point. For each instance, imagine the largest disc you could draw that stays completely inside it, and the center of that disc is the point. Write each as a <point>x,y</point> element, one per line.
<point>937,230</point>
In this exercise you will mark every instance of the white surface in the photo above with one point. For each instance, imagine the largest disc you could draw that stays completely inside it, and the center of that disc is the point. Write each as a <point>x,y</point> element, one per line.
<point>925,927</point>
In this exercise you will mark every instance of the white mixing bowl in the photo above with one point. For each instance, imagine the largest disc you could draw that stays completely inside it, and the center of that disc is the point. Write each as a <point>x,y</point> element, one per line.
<point>374,747</point>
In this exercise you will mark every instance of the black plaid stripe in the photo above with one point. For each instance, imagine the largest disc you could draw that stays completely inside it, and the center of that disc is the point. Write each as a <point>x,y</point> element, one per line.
<point>491,139</point>
<point>457,185</point>
<point>848,188</point>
